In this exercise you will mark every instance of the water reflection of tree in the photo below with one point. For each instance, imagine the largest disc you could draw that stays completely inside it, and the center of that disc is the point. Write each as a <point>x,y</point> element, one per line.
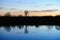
<point>7,28</point>
<point>57,27</point>
<point>26,30</point>
<point>37,26</point>
<point>20,26</point>
<point>49,26</point>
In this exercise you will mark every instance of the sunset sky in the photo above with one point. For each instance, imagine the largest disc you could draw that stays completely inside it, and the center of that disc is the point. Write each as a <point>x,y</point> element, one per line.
<point>30,4</point>
<point>39,7</point>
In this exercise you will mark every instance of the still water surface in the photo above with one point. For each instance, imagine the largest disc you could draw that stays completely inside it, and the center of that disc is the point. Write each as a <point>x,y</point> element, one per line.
<point>30,32</point>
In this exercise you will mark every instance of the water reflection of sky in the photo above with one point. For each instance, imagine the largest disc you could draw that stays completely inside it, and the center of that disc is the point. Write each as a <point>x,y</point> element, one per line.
<point>35,32</point>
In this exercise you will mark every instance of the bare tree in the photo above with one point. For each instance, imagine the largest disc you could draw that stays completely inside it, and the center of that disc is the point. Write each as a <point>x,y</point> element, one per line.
<point>8,14</point>
<point>26,12</point>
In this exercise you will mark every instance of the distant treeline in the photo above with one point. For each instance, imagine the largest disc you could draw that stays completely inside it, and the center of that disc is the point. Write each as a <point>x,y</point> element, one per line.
<point>9,13</point>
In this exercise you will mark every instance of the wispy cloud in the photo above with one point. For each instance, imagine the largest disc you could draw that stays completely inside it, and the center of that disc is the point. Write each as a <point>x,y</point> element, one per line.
<point>19,2</point>
<point>49,10</point>
<point>1,7</point>
<point>49,4</point>
<point>12,9</point>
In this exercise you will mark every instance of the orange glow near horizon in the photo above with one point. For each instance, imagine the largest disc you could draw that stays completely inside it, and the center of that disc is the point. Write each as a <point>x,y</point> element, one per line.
<point>17,13</point>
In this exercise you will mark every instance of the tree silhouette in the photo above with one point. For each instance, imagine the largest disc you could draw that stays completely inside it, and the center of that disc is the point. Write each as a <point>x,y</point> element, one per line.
<point>19,15</point>
<point>8,14</point>
<point>26,12</point>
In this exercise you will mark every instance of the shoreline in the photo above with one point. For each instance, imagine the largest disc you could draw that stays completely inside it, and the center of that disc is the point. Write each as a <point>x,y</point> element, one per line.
<point>45,20</point>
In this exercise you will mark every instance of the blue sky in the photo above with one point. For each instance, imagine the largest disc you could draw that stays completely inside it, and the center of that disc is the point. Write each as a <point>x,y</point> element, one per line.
<point>30,4</point>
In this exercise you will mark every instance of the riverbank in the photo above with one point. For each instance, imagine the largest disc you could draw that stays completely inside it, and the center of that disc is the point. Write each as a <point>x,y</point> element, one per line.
<point>45,20</point>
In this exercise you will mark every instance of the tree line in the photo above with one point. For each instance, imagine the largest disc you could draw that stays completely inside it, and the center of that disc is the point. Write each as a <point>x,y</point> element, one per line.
<point>9,14</point>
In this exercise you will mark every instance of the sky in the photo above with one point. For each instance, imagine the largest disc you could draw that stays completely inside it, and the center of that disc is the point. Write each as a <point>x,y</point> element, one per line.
<point>30,4</point>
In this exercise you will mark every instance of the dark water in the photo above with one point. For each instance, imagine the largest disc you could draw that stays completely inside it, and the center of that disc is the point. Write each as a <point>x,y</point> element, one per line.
<point>30,32</point>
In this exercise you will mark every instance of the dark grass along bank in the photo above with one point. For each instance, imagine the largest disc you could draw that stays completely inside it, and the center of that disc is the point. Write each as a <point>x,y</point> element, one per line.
<point>26,20</point>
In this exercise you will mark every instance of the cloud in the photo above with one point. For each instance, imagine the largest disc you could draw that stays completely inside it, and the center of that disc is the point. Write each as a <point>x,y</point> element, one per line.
<point>19,2</point>
<point>49,4</point>
<point>1,7</point>
<point>49,10</point>
<point>46,10</point>
<point>12,9</point>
